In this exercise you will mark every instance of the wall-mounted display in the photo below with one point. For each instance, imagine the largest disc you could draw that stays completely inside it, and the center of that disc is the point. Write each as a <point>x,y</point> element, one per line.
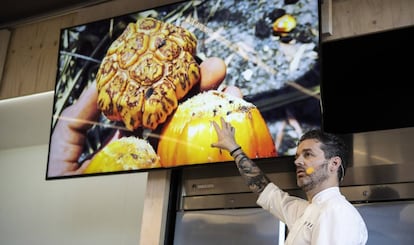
<point>368,87</point>
<point>138,92</point>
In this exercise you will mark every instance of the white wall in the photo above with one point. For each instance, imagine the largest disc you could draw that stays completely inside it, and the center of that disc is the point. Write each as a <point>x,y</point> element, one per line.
<point>91,210</point>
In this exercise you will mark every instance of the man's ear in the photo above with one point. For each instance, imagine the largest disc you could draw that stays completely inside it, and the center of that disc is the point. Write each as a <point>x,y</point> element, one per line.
<point>334,164</point>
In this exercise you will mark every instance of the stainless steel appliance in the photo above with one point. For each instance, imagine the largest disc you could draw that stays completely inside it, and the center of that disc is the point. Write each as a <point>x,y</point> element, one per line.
<point>216,207</point>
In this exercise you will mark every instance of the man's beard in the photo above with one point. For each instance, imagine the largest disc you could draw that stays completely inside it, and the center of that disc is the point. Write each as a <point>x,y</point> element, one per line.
<point>318,176</point>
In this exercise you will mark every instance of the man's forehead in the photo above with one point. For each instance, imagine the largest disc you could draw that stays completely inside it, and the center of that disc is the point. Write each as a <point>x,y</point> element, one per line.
<point>309,144</point>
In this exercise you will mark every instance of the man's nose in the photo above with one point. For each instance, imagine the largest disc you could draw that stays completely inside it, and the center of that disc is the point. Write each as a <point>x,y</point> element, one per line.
<point>298,162</point>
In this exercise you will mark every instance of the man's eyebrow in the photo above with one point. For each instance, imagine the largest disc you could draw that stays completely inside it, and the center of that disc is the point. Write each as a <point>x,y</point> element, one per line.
<point>306,150</point>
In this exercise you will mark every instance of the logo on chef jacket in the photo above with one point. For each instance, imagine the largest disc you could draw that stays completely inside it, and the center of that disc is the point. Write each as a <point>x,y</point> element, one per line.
<point>308,225</point>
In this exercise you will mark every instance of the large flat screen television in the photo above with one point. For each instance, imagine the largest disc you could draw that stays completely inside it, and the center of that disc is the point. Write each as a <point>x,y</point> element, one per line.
<point>366,82</point>
<point>138,92</point>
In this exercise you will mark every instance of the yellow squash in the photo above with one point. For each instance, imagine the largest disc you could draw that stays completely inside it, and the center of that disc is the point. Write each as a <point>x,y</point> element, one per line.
<point>127,153</point>
<point>187,136</point>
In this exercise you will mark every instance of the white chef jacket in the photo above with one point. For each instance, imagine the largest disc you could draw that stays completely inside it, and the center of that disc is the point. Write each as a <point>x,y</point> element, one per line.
<point>328,220</point>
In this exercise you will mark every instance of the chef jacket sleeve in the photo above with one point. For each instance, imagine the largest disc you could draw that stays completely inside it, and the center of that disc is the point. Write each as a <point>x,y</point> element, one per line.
<point>279,203</point>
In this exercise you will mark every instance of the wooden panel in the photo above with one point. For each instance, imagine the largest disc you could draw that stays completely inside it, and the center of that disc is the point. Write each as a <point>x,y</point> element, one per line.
<point>326,11</point>
<point>4,45</point>
<point>32,58</point>
<point>402,12</point>
<point>155,207</point>
<point>356,17</point>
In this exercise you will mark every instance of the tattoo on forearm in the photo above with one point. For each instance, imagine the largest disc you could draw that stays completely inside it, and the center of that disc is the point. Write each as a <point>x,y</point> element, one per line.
<point>255,178</point>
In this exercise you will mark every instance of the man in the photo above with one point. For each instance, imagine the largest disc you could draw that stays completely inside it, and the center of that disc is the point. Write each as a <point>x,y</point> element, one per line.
<point>326,217</point>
